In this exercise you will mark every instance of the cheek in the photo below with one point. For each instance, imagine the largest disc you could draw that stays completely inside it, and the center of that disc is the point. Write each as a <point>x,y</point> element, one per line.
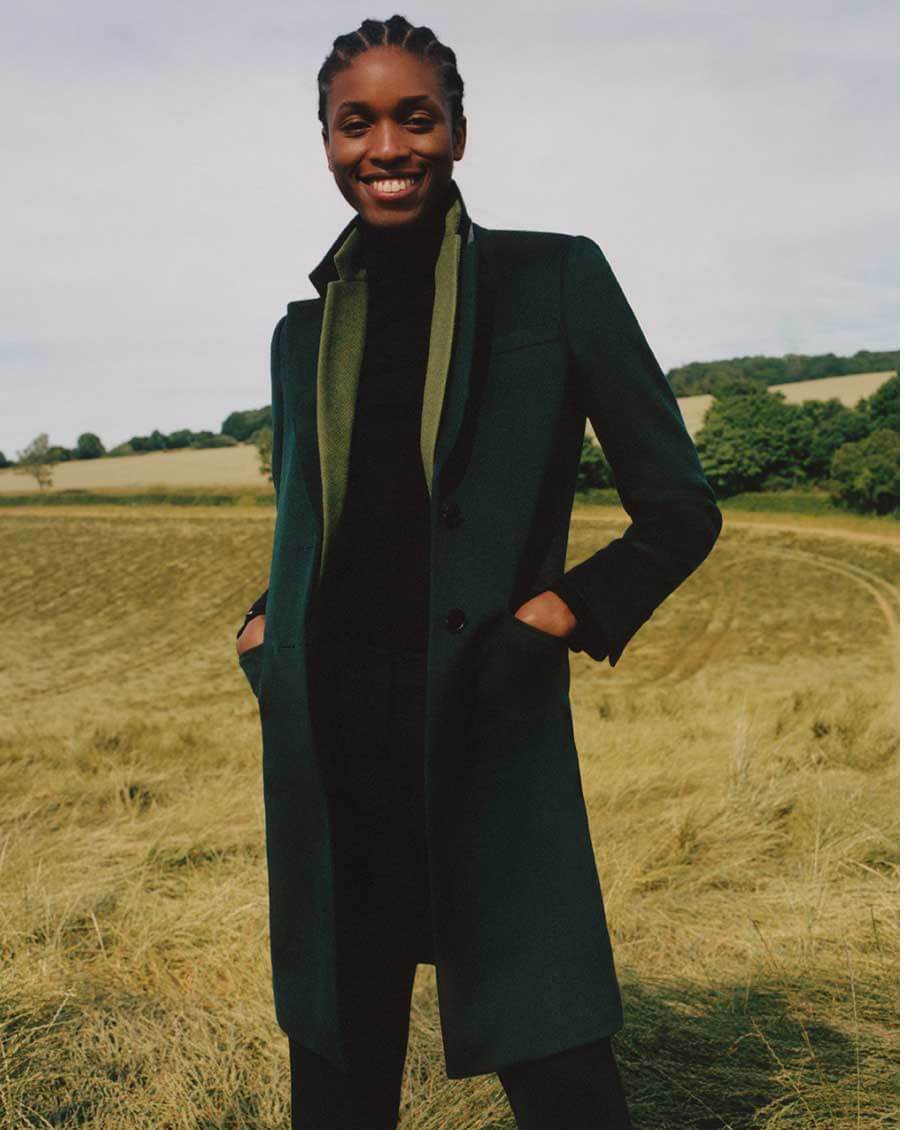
<point>436,142</point>
<point>441,142</point>
<point>344,153</point>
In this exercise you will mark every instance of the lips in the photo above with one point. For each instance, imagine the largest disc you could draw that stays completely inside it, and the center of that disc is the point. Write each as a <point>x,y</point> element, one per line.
<point>388,196</point>
<point>370,178</point>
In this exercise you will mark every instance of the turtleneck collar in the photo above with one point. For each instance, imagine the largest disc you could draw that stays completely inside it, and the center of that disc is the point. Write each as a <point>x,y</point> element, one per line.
<point>406,251</point>
<point>326,270</point>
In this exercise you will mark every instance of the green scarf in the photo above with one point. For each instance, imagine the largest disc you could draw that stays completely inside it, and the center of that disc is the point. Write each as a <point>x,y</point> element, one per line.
<point>342,338</point>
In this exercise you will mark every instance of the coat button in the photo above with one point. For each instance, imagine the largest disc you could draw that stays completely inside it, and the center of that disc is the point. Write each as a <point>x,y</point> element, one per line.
<point>455,619</point>
<point>450,512</point>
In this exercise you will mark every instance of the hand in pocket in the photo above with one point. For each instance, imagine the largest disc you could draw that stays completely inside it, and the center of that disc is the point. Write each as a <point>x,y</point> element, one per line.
<point>252,634</point>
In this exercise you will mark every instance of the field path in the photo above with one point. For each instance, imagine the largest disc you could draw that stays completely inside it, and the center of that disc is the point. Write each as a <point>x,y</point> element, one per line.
<point>874,537</point>
<point>887,536</point>
<point>583,515</point>
<point>710,635</point>
<point>727,610</point>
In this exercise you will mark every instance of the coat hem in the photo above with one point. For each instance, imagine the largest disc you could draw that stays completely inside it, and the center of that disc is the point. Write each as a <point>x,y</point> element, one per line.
<point>458,1067</point>
<point>461,1067</point>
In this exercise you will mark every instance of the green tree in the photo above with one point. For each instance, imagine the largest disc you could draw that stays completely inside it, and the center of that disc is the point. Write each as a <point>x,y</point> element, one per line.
<point>201,438</point>
<point>751,439</point>
<point>243,425</point>
<point>211,439</point>
<point>883,408</point>
<point>37,459</point>
<point>156,441</point>
<point>89,446</point>
<point>594,469</point>
<point>179,439</point>
<point>867,473</point>
<point>263,441</point>
<point>735,385</point>
<point>831,424</point>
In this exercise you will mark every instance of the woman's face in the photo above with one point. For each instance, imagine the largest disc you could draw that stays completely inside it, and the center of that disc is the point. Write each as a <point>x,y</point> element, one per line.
<point>388,118</point>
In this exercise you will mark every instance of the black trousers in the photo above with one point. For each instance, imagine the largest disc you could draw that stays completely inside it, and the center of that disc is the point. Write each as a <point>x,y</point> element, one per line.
<point>369,704</point>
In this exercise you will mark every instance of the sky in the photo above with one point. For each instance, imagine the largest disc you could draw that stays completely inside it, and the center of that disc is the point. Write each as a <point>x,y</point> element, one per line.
<point>165,191</point>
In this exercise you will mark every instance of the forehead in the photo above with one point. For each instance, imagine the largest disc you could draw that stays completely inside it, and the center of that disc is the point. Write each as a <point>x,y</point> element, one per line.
<point>382,76</point>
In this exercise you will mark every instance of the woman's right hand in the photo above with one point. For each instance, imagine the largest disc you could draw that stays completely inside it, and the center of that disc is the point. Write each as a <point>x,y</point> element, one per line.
<point>252,634</point>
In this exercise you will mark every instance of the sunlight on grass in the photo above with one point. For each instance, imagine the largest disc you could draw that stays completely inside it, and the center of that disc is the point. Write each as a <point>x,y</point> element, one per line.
<point>740,770</point>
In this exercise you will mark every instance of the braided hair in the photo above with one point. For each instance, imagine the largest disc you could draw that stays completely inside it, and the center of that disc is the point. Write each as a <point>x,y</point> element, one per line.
<point>397,31</point>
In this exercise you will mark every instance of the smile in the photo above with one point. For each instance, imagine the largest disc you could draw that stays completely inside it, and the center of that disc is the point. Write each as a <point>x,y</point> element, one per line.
<point>393,188</point>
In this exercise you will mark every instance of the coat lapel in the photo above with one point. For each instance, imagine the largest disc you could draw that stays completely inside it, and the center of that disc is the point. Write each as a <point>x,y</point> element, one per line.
<point>339,359</point>
<point>341,352</point>
<point>449,364</point>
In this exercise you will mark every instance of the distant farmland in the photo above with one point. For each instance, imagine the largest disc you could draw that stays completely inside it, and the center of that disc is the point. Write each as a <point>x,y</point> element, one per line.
<point>238,466</point>
<point>849,390</point>
<point>189,467</point>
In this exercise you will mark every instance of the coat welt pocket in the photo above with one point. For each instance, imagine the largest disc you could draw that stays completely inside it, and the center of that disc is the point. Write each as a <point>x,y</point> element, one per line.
<point>531,632</point>
<point>534,334</point>
<point>250,663</point>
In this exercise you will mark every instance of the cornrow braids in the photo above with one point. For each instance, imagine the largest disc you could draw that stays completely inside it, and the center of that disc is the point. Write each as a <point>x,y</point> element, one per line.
<point>397,31</point>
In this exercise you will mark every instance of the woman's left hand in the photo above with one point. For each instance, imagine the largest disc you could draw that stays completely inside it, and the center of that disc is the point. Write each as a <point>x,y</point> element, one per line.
<point>548,612</point>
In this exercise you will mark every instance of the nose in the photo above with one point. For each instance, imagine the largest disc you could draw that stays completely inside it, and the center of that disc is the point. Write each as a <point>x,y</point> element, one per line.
<point>388,143</point>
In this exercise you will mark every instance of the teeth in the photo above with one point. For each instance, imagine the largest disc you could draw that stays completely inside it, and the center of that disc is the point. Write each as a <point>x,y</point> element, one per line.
<point>397,185</point>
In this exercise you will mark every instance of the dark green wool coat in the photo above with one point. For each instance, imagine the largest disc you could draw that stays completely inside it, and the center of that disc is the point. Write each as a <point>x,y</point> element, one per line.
<point>531,335</point>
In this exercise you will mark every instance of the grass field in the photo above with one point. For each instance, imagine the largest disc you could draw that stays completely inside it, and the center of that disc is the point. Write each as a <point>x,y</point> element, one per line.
<point>740,768</point>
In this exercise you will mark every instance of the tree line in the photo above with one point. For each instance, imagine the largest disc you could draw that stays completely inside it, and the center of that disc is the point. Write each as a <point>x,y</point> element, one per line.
<point>751,438</point>
<point>90,446</point>
<point>754,440</point>
<point>718,377</point>
<point>255,425</point>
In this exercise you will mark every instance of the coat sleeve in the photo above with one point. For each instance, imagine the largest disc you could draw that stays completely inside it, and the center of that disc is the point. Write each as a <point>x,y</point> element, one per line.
<point>622,389</point>
<point>587,635</point>
<point>276,409</point>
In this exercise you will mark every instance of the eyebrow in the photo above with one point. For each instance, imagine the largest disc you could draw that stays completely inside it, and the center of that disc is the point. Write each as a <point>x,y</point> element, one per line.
<point>404,103</point>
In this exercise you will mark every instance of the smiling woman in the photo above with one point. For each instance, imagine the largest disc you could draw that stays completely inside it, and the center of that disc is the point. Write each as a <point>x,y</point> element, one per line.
<point>391,132</point>
<point>422,785</point>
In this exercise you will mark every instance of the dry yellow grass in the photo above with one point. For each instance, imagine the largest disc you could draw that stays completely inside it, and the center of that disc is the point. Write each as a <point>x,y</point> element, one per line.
<point>740,768</point>
<point>210,467</point>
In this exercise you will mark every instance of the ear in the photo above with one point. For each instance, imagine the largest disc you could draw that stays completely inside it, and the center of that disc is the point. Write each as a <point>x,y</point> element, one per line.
<point>459,137</point>
<point>326,147</point>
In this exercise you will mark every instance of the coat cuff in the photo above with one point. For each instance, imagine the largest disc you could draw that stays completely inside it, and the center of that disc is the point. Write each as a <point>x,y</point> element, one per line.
<point>587,634</point>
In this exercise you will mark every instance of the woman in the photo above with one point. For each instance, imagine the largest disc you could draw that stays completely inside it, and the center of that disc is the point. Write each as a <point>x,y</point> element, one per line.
<point>423,796</point>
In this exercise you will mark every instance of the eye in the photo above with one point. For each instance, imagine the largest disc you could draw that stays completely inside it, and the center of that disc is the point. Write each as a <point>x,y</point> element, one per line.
<point>421,121</point>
